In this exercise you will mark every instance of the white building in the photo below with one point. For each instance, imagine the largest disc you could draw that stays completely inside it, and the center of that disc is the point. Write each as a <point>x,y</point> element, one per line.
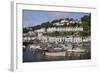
<point>53,29</point>
<point>30,33</point>
<point>62,22</point>
<point>60,39</point>
<point>40,30</point>
<point>58,24</point>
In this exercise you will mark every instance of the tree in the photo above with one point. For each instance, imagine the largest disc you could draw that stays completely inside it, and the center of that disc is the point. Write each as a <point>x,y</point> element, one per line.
<point>86,21</point>
<point>25,30</point>
<point>66,18</point>
<point>54,21</point>
<point>71,19</point>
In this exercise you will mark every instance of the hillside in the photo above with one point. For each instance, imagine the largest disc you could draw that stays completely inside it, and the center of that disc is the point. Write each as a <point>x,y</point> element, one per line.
<point>84,22</point>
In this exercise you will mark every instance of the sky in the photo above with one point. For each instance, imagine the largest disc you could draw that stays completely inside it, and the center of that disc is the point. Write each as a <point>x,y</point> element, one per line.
<point>34,17</point>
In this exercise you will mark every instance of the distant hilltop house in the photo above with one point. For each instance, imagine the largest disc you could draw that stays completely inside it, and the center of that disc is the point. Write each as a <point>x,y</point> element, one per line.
<point>67,22</point>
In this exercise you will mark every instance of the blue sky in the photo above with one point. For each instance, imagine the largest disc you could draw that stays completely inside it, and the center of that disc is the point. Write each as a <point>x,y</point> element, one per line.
<point>33,17</point>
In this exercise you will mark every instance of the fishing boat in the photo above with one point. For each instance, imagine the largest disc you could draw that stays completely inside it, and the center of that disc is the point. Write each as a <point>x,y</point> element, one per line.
<point>60,50</point>
<point>58,53</point>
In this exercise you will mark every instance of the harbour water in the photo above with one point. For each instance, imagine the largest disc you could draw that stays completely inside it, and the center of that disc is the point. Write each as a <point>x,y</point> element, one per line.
<point>38,55</point>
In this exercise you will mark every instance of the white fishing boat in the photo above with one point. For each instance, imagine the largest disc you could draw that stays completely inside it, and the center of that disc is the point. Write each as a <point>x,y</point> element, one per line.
<point>60,53</point>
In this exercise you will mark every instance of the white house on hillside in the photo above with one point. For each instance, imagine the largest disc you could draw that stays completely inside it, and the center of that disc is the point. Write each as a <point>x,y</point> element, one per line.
<point>53,29</point>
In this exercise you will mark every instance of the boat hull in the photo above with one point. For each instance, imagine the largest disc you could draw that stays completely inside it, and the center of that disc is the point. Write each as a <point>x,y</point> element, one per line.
<point>62,53</point>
